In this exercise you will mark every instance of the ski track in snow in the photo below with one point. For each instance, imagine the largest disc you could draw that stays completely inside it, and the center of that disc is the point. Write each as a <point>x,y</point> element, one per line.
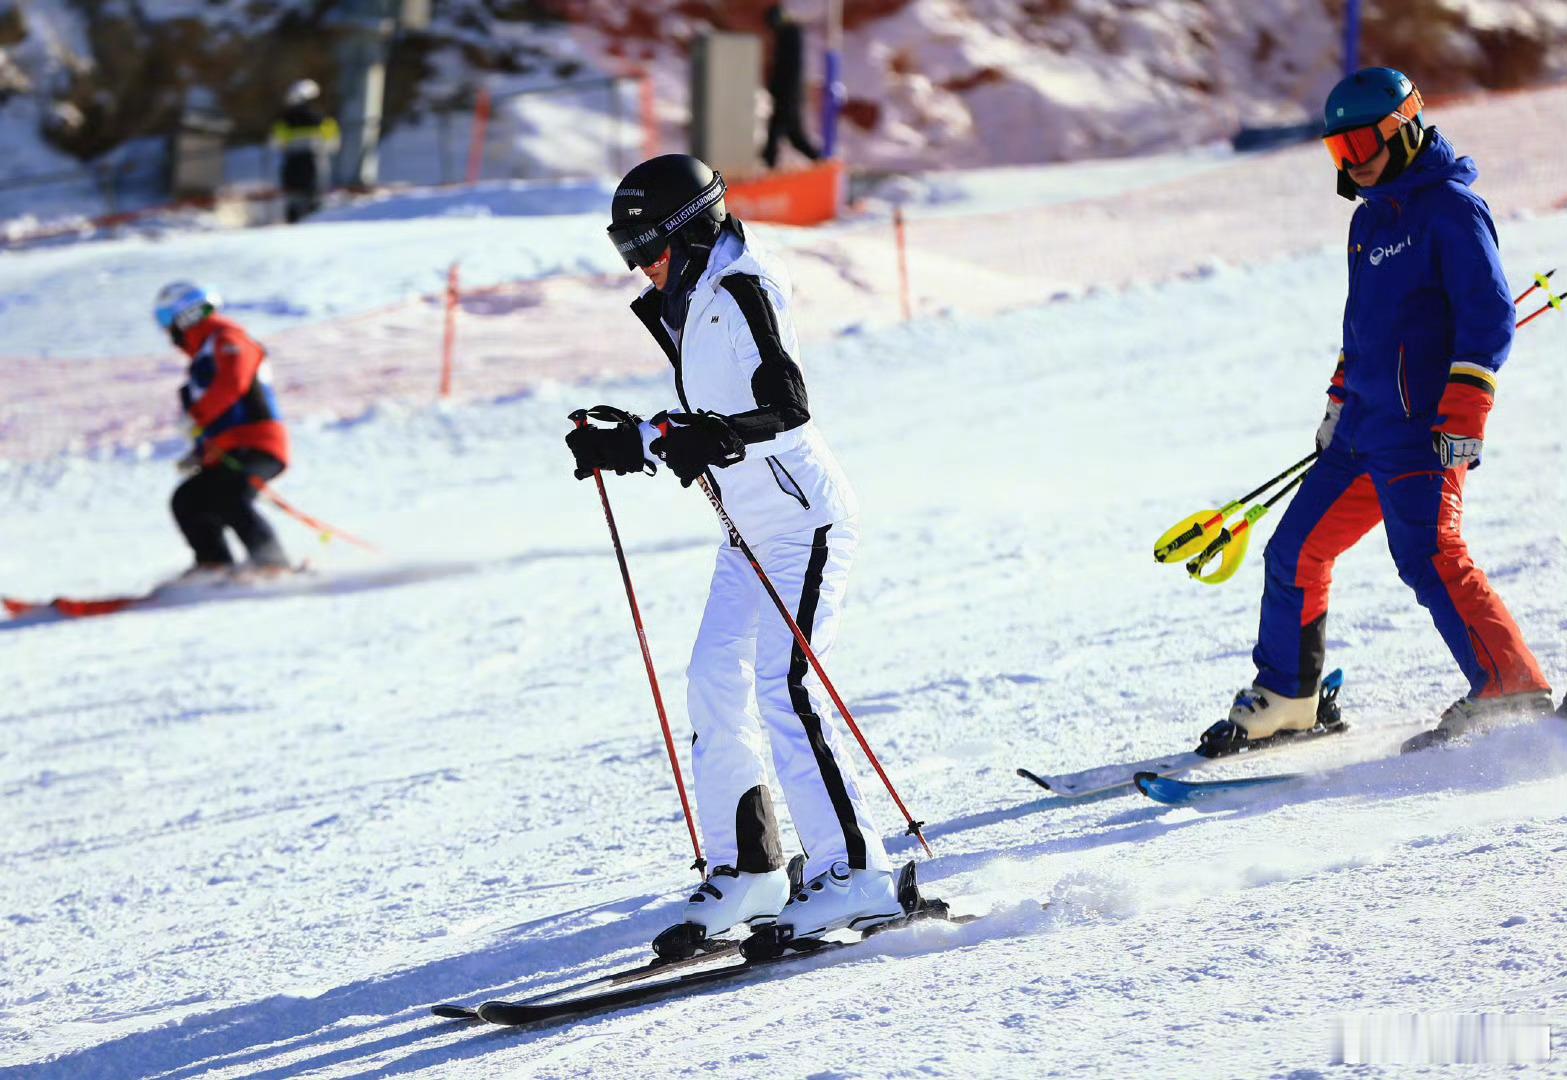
<point>258,836</point>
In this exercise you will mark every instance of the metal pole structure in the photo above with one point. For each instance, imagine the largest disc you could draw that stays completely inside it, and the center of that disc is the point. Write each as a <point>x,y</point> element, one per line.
<point>364,31</point>
<point>617,165</point>
<point>1351,36</point>
<point>834,94</point>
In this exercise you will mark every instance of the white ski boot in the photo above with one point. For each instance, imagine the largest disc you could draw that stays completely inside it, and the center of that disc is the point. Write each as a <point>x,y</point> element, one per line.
<point>1260,716</point>
<point>1263,712</point>
<point>840,898</point>
<point>1470,716</point>
<point>727,899</point>
<point>865,901</point>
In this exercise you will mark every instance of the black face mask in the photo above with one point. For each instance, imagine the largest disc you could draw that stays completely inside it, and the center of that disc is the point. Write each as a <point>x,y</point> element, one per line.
<point>686,264</point>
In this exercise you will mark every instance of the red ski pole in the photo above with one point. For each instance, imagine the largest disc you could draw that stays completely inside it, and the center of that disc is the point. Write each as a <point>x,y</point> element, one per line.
<point>810,654</point>
<point>325,530</point>
<point>1541,281</point>
<point>580,418</point>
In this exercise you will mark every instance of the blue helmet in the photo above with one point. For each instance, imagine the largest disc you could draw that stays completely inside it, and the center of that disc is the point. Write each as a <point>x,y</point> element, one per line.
<point>1369,96</point>
<point>182,304</point>
<point>1373,109</point>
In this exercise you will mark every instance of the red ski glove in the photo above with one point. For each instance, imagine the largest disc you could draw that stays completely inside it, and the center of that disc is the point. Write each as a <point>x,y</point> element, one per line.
<point>1459,431</point>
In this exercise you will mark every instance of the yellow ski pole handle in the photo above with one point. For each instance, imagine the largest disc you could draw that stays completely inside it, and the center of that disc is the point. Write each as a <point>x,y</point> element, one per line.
<point>1191,535</point>
<point>1231,544</point>
<point>1229,547</point>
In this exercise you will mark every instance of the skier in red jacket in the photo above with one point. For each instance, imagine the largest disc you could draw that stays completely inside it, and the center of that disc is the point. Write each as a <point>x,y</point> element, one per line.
<point>240,440</point>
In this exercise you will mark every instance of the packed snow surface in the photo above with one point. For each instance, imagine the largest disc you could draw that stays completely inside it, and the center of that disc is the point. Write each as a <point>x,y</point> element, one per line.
<point>259,835</point>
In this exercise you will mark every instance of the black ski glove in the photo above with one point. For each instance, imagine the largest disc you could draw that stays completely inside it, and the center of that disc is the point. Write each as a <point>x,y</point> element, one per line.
<point>693,441</point>
<point>618,448</point>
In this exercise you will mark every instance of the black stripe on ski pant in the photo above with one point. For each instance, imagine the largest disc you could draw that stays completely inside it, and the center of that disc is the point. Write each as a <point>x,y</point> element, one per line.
<point>799,666</point>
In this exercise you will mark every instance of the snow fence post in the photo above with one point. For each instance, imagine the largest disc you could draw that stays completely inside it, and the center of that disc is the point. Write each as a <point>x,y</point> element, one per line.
<point>903,262</point>
<point>449,341</point>
<point>481,123</point>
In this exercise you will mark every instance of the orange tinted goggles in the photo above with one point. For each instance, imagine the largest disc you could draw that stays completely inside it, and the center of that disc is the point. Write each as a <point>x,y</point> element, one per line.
<point>1359,145</point>
<point>1354,147</point>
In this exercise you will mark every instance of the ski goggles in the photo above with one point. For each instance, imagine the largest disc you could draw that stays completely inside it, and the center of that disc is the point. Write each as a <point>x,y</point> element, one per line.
<point>1357,146</point>
<point>643,245</point>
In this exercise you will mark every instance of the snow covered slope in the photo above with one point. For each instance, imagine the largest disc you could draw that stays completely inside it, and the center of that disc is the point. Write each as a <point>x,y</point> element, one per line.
<point>258,836</point>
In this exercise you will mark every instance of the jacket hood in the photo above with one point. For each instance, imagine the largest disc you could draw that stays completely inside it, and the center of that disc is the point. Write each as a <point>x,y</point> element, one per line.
<point>1437,163</point>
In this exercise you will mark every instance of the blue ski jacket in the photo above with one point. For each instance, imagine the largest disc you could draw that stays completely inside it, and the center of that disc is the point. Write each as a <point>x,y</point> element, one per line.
<point>1427,297</point>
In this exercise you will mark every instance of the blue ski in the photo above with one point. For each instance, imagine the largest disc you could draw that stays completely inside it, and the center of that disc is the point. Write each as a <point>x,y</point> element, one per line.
<point>1173,792</point>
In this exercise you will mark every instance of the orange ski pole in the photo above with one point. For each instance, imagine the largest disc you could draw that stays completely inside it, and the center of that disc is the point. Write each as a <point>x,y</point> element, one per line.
<point>580,418</point>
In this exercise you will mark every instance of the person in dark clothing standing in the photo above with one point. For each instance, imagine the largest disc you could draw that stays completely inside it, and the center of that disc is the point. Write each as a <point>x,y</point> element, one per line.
<point>785,86</point>
<point>240,440</point>
<point>308,139</point>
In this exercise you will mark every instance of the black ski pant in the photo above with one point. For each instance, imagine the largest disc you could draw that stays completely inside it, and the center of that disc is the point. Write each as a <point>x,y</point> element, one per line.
<point>224,497</point>
<point>301,184</point>
<point>785,123</point>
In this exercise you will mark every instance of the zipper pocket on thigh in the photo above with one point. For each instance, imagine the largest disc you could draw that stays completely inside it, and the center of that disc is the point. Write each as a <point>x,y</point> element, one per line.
<point>786,482</point>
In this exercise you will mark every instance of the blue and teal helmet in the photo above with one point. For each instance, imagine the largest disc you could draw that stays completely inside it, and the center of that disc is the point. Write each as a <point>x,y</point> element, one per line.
<point>182,304</point>
<point>1369,96</point>
<point>1373,108</point>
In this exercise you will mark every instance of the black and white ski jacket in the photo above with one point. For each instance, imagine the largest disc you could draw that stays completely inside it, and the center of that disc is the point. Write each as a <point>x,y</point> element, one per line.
<point>738,355</point>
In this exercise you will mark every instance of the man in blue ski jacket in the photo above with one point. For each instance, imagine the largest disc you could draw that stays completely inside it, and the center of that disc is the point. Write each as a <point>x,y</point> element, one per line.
<point>1427,326</point>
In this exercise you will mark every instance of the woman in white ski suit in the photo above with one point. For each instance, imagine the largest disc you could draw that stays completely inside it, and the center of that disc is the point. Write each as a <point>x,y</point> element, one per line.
<point>743,423</point>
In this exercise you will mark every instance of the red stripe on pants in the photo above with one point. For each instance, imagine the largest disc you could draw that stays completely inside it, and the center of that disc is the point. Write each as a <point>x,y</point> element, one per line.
<point>1497,641</point>
<point>1352,515</point>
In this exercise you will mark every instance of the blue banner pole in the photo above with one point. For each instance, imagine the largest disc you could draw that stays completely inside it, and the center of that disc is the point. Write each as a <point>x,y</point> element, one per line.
<point>832,103</point>
<point>1351,36</point>
<point>834,96</point>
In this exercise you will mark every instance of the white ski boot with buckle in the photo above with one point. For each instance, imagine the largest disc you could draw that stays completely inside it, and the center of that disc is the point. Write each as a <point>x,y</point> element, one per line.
<point>1262,712</point>
<point>1471,716</point>
<point>864,901</point>
<point>727,899</point>
<point>1259,717</point>
<point>841,898</point>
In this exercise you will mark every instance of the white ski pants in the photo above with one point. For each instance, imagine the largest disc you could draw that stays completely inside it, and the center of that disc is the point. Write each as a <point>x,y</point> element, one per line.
<point>750,685</point>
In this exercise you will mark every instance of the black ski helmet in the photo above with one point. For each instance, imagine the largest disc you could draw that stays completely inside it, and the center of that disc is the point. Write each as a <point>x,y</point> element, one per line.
<point>665,200</point>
